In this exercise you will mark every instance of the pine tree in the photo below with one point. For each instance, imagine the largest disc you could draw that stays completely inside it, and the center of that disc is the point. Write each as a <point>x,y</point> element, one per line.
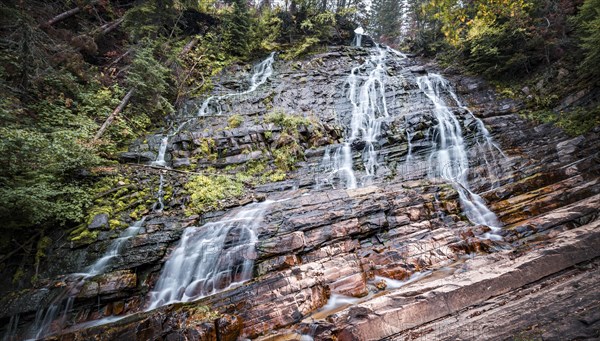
<point>238,29</point>
<point>588,21</point>
<point>386,19</point>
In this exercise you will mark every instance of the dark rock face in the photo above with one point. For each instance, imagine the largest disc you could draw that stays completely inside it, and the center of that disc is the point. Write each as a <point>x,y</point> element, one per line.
<point>138,156</point>
<point>100,221</point>
<point>325,241</point>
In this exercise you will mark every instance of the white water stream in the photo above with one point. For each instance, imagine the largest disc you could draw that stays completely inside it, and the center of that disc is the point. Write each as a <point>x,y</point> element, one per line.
<point>46,319</point>
<point>366,86</point>
<point>210,258</point>
<point>262,72</point>
<point>449,158</point>
<point>212,105</point>
<point>159,206</point>
<point>358,33</point>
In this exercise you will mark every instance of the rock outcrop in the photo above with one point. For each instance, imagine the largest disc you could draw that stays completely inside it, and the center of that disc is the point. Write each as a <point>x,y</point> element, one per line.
<point>399,244</point>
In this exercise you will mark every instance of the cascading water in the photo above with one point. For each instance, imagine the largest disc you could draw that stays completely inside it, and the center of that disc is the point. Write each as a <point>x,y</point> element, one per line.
<point>159,205</point>
<point>358,33</point>
<point>262,72</point>
<point>164,143</point>
<point>369,109</point>
<point>210,258</point>
<point>45,320</point>
<point>114,250</point>
<point>449,159</point>
<point>339,165</point>
<point>11,328</point>
<point>483,139</point>
<point>162,149</point>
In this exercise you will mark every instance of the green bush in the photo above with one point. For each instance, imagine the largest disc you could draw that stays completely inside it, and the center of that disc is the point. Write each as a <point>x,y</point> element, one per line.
<point>289,122</point>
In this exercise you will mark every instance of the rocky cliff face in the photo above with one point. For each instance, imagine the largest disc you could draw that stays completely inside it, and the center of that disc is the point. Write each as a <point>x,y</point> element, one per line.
<point>396,253</point>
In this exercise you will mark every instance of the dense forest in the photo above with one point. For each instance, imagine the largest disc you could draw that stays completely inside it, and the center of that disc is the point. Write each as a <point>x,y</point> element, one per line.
<point>81,79</point>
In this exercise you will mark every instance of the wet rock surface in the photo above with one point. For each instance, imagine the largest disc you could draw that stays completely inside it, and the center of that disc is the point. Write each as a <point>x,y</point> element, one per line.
<point>325,240</point>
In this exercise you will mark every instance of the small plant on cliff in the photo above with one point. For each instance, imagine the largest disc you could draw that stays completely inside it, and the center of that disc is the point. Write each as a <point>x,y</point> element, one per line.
<point>286,121</point>
<point>207,192</point>
<point>234,121</point>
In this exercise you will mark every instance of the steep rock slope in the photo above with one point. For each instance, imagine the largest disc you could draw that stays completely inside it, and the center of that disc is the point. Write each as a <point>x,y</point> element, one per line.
<point>323,238</point>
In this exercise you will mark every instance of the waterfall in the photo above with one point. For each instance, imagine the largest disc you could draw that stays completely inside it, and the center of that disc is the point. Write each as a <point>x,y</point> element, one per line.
<point>366,86</point>
<point>114,250</point>
<point>358,33</point>
<point>409,137</point>
<point>62,304</point>
<point>449,159</point>
<point>210,258</point>
<point>261,73</point>
<point>339,165</point>
<point>11,329</point>
<point>160,159</point>
<point>159,205</point>
<point>46,319</point>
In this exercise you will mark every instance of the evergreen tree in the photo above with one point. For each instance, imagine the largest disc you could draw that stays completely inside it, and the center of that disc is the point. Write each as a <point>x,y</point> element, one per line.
<point>588,21</point>
<point>237,28</point>
<point>386,19</point>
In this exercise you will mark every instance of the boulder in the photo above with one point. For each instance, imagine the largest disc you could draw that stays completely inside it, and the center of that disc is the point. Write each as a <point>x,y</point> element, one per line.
<point>99,221</point>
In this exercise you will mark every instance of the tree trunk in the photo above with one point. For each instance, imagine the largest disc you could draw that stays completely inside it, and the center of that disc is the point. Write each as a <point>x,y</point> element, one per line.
<point>65,15</point>
<point>114,114</point>
<point>106,28</point>
<point>188,47</point>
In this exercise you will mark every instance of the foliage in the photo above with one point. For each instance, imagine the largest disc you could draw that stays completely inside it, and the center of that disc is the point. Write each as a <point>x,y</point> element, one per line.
<point>267,31</point>
<point>588,25</point>
<point>288,150</point>
<point>37,176</point>
<point>208,191</point>
<point>301,49</point>
<point>150,19</point>
<point>385,21</point>
<point>290,122</point>
<point>494,37</point>
<point>499,50</point>
<point>575,122</point>
<point>151,82</point>
<point>234,121</point>
<point>237,29</point>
